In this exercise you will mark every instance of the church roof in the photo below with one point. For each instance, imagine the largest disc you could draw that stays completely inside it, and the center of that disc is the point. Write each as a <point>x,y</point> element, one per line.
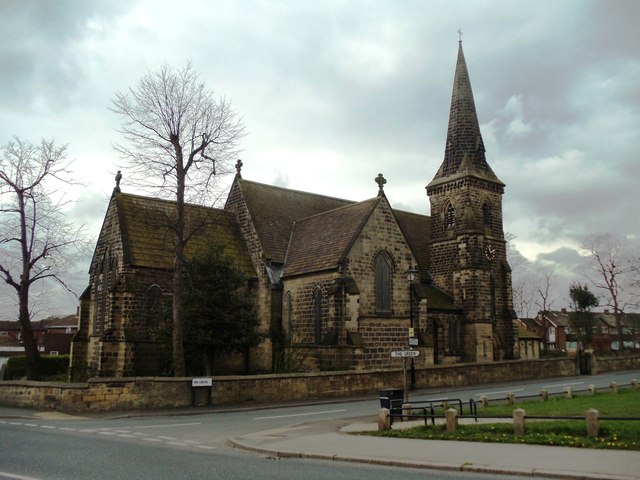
<point>464,152</point>
<point>416,229</point>
<point>148,241</point>
<point>320,242</point>
<point>274,210</point>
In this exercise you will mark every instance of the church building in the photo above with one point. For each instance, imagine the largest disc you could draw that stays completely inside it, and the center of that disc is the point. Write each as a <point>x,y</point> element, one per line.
<point>338,284</point>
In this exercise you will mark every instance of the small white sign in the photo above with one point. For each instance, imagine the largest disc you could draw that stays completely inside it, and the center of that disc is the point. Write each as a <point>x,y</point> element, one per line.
<point>405,353</point>
<point>201,382</point>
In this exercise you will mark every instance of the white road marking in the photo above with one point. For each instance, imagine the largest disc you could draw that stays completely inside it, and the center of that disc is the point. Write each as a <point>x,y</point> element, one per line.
<point>563,384</point>
<point>126,435</point>
<point>205,447</point>
<point>151,439</point>
<point>173,425</point>
<point>300,414</point>
<point>167,438</point>
<point>16,477</point>
<point>49,427</point>
<point>67,429</point>
<point>500,392</point>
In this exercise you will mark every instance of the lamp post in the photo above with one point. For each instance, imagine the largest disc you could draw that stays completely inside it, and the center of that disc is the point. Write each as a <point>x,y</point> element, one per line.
<point>411,276</point>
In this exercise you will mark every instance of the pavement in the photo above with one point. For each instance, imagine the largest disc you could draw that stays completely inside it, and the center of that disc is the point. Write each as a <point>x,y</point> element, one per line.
<point>344,444</point>
<point>343,441</point>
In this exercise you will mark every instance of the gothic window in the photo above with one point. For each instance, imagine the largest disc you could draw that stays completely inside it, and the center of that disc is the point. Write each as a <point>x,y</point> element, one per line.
<point>454,335</point>
<point>450,216</point>
<point>288,314</point>
<point>154,306</point>
<point>317,316</point>
<point>487,214</point>
<point>104,283</point>
<point>383,282</point>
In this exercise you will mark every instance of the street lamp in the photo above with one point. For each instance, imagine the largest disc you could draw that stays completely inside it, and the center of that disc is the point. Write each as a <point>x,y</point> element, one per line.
<point>411,276</point>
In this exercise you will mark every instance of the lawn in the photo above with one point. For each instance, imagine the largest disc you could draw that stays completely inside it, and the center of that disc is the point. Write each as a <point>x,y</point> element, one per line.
<point>622,435</point>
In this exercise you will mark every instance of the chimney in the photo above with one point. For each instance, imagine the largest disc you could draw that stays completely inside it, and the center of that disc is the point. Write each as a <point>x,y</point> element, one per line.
<point>606,311</point>
<point>563,310</point>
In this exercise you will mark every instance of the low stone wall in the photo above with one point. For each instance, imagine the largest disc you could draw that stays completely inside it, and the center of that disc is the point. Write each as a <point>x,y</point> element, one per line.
<point>103,394</point>
<point>616,364</point>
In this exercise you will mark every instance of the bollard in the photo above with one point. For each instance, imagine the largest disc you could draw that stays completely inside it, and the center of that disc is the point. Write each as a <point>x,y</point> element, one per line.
<point>613,388</point>
<point>569,393</point>
<point>384,420</point>
<point>484,400</point>
<point>445,405</point>
<point>634,384</point>
<point>452,419</point>
<point>592,389</point>
<point>518,421</point>
<point>593,423</point>
<point>510,398</point>
<point>544,395</point>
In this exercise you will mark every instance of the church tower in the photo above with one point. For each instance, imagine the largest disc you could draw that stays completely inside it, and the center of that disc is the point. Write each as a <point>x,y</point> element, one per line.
<point>467,245</point>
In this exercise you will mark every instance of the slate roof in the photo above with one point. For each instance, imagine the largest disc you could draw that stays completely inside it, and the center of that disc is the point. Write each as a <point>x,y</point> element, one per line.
<point>417,230</point>
<point>464,152</point>
<point>273,211</point>
<point>320,242</point>
<point>437,300</point>
<point>147,239</point>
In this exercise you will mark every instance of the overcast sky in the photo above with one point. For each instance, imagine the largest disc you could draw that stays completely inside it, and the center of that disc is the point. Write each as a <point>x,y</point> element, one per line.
<point>334,92</point>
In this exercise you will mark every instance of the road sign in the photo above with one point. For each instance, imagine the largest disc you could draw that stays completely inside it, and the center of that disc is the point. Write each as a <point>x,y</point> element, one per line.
<point>202,382</point>
<point>405,353</point>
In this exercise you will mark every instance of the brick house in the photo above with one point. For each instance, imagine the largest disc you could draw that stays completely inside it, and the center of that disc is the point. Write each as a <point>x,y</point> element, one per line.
<point>329,276</point>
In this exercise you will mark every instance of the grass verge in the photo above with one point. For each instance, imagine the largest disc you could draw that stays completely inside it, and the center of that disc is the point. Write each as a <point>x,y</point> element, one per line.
<point>614,434</point>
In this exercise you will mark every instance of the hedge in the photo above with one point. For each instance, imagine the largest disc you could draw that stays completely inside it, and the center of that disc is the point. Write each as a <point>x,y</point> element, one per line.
<point>53,366</point>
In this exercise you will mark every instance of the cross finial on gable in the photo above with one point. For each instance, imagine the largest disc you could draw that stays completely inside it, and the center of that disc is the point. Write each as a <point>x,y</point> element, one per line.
<point>239,168</point>
<point>118,178</point>
<point>380,180</point>
<point>459,35</point>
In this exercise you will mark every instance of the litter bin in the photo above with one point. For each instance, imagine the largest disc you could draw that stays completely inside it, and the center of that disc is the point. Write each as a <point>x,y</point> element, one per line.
<point>392,399</point>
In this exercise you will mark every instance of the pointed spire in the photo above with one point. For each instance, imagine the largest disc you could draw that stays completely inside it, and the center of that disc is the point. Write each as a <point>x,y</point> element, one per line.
<point>464,152</point>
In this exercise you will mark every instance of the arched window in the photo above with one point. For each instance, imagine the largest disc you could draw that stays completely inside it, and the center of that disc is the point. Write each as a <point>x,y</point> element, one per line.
<point>154,306</point>
<point>288,314</point>
<point>454,335</point>
<point>450,216</point>
<point>104,284</point>
<point>487,214</point>
<point>317,316</point>
<point>383,282</point>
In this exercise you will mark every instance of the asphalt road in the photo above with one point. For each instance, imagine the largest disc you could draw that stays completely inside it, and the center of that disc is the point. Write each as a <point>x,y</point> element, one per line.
<point>193,444</point>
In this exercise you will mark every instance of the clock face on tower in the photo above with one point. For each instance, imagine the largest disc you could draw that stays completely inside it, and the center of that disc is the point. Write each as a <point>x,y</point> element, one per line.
<point>489,252</point>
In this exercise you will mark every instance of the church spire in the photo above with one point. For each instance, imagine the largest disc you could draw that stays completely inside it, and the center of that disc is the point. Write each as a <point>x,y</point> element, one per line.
<point>464,152</point>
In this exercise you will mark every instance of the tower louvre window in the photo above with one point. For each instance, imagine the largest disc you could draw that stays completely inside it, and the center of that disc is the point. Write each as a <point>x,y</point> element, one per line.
<point>487,214</point>
<point>317,316</point>
<point>450,216</point>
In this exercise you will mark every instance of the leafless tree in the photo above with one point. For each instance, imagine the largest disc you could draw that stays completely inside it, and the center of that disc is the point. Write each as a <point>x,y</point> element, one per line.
<point>180,136</point>
<point>611,273</point>
<point>545,302</point>
<point>523,294</point>
<point>35,239</point>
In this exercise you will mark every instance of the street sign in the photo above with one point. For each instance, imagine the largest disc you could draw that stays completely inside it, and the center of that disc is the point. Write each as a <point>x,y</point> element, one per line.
<point>405,353</point>
<point>202,382</point>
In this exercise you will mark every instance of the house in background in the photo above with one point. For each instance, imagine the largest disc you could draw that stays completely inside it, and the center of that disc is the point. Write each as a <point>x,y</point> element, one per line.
<point>553,325</point>
<point>53,337</point>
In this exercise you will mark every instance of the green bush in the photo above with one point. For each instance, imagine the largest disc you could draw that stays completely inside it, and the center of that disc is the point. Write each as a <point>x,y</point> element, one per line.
<point>54,367</point>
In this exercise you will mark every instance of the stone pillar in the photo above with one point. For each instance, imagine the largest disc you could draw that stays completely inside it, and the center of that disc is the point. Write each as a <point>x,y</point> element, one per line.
<point>544,395</point>
<point>452,419</point>
<point>384,420</point>
<point>592,389</point>
<point>613,387</point>
<point>518,421</point>
<point>634,385</point>
<point>593,423</point>
<point>511,398</point>
<point>569,392</point>
<point>484,401</point>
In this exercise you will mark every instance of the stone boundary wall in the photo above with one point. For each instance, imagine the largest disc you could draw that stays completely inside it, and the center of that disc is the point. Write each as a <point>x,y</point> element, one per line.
<point>616,364</point>
<point>140,393</point>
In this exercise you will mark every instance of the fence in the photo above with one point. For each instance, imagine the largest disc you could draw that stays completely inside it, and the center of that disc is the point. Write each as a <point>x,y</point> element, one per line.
<point>451,415</point>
